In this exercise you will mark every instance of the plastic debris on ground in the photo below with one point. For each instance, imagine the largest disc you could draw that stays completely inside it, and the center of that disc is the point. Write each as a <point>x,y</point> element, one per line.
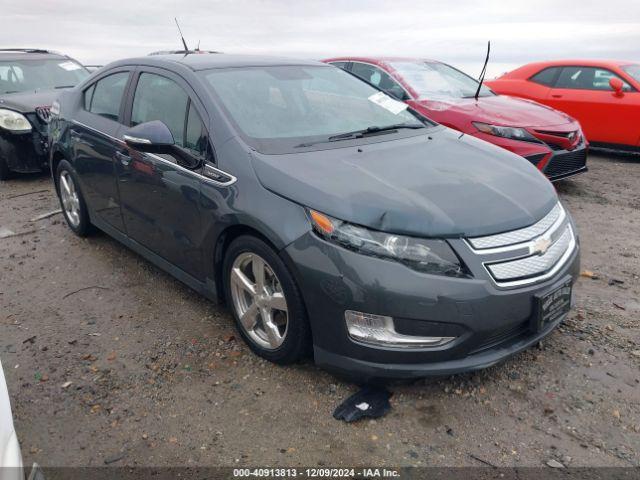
<point>370,401</point>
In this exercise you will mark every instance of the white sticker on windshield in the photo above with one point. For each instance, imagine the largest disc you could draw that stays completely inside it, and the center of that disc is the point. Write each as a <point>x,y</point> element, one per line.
<point>69,66</point>
<point>388,103</point>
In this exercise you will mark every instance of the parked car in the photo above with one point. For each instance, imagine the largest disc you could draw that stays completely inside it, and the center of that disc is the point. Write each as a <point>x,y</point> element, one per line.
<point>328,216</point>
<point>603,95</point>
<point>10,456</point>
<point>30,80</point>
<point>549,139</point>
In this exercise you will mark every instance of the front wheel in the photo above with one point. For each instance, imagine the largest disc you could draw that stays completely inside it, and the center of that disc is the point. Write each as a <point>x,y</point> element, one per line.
<point>265,301</point>
<point>71,199</point>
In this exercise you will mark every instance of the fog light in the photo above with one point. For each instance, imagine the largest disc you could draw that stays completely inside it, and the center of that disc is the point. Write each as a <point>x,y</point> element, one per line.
<point>380,330</point>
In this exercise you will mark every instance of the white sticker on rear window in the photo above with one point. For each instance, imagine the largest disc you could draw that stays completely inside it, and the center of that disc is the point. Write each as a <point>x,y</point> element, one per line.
<point>69,66</point>
<point>388,103</point>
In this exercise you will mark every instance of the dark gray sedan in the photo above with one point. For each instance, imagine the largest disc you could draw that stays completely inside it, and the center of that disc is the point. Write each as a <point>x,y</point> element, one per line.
<point>330,218</point>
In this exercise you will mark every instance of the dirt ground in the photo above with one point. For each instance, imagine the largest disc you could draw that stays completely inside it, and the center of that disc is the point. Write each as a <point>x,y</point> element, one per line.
<point>111,361</point>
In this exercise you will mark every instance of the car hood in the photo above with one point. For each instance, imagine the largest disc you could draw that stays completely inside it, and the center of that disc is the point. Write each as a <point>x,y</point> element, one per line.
<point>26,102</point>
<point>446,184</point>
<point>500,110</point>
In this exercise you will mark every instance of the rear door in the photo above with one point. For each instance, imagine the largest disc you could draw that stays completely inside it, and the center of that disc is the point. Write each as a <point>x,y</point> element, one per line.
<point>160,193</point>
<point>584,93</point>
<point>94,141</point>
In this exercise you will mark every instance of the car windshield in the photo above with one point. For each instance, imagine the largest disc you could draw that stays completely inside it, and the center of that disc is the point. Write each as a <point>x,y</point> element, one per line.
<point>434,80</point>
<point>633,71</point>
<point>27,75</point>
<point>284,107</point>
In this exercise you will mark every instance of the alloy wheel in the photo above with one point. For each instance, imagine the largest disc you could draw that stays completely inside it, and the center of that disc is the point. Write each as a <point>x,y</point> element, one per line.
<point>259,300</point>
<point>70,198</point>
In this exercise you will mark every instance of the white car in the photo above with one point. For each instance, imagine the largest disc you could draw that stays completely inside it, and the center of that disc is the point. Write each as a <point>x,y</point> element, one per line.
<point>10,456</point>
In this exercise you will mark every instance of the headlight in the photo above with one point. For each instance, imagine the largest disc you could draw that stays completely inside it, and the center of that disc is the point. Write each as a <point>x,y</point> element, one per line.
<point>14,121</point>
<point>506,132</point>
<point>425,255</point>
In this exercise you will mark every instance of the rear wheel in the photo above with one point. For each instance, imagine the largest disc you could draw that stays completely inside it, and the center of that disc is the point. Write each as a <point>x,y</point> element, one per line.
<point>265,301</point>
<point>73,205</point>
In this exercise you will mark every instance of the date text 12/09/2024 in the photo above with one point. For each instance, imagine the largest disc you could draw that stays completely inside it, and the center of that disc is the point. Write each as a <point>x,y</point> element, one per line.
<point>325,472</point>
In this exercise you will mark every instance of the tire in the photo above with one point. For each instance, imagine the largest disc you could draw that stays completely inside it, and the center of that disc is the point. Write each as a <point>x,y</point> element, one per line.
<point>295,341</point>
<point>72,202</point>
<point>5,173</point>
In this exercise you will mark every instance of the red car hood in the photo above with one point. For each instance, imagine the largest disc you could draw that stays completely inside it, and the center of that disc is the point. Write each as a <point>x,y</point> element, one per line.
<point>499,110</point>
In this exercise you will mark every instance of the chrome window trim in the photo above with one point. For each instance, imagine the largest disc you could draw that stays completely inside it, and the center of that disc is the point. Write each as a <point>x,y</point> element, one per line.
<point>231,181</point>
<point>524,244</point>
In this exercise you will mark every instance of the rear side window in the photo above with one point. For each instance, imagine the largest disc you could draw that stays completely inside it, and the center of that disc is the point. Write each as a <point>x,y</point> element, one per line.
<point>105,96</point>
<point>588,78</point>
<point>546,77</point>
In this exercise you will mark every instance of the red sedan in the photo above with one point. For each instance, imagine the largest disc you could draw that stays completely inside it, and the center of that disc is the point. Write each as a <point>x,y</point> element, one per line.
<point>549,139</point>
<point>604,96</point>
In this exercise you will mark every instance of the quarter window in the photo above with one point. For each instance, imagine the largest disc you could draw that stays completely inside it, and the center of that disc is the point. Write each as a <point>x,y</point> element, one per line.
<point>588,78</point>
<point>105,96</point>
<point>546,76</point>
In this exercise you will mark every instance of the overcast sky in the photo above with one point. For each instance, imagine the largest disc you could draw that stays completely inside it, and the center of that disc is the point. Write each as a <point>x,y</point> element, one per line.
<point>97,32</point>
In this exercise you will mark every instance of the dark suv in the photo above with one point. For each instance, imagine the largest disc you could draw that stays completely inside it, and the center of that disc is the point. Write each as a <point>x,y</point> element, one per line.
<point>327,215</point>
<point>30,80</point>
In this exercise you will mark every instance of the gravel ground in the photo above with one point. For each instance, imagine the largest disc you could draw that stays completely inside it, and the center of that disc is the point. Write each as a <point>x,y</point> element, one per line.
<point>111,361</point>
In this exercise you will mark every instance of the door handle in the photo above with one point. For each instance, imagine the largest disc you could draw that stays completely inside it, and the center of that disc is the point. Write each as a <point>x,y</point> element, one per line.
<point>555,95</point>
<point>124,159</point>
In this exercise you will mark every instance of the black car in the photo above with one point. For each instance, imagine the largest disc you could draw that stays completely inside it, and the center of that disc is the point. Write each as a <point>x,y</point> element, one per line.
<point>330,218</point>
<point>30,80</point>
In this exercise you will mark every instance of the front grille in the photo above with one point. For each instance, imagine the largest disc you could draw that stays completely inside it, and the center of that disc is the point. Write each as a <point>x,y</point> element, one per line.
<point>535,264</point>
<point>44,113</point>
<point>528,255</point>
<point>535,159</point>
<point>500,335</point>
<point>521,235</point>
<point>562,164</point>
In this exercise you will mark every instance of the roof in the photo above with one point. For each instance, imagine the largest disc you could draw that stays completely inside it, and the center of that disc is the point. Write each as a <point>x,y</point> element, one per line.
<point>582,63</point>
<point>219,60</point>
<point>379,59</point>
<point>27,53</point>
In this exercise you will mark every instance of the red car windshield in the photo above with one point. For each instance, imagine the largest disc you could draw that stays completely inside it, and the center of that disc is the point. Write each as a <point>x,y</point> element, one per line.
<point>633,71</point>
<point>434,80</point>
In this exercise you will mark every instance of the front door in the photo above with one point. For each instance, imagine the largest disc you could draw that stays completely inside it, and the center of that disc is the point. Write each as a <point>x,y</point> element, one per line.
<point>585,94</point>
<point>160,194</point>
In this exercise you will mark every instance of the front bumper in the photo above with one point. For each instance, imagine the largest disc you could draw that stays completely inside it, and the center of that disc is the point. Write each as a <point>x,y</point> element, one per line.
<point>554,162</point>
<point>491,323</point>
<point>24,152</point>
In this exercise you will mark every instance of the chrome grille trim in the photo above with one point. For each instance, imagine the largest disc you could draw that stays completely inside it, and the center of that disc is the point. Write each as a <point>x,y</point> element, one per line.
<point>499,241</point>
<point>534,268</point>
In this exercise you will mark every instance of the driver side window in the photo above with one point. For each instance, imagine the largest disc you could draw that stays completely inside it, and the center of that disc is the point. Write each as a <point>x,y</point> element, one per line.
<point>379,79</point>
<point>160,98</point>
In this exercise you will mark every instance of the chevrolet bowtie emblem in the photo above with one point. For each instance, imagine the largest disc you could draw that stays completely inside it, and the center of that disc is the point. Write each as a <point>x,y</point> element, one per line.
<point>541,246</point>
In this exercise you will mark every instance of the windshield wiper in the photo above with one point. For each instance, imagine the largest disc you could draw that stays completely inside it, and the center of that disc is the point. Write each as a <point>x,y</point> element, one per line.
<point>64,86</point>
<point>364,132</point>
<point>374,130</point>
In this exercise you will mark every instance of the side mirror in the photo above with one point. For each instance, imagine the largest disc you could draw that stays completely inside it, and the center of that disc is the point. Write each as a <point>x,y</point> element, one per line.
<point>155,137</point>
<point>617,86</point>
<point>151,137</point>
